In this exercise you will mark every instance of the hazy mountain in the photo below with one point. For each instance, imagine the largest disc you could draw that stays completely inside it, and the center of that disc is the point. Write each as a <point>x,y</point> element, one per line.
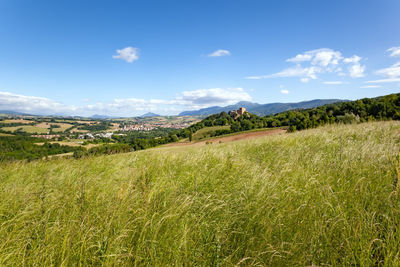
<point>99,116</point>
<point>10,112</point>
<point>261,109</point>
<point>149,114</point>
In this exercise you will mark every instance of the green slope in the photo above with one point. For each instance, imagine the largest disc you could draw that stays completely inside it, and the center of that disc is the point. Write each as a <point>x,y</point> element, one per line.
<point>326,196</point>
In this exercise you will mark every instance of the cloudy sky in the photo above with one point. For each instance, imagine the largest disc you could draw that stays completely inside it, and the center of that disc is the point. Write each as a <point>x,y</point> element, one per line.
<point>126,58</point>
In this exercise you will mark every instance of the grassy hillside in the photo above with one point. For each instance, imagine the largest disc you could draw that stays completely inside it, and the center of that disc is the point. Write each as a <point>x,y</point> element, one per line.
<point>208,131</point>
<point>326,196</point>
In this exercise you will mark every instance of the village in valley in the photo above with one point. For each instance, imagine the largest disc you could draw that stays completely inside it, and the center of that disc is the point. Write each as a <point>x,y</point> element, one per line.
<point>89,132</point>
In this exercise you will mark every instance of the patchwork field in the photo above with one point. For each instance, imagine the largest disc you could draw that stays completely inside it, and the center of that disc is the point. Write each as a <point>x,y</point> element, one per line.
<point>321,197</point>
<point>41,128</point>
<point>27,129</point>
<point>17,121</point>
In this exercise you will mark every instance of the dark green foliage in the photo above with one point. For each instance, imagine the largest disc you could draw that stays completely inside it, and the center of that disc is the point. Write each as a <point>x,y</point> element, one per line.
<point>363,110</point>
<point>129,136</point>
<point>23,147</point>
<point>102,126</point>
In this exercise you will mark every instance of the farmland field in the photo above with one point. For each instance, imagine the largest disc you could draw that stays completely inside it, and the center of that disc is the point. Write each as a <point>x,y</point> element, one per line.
<point>325,196</point>
<point>28,129</point>
<point>17,121</point>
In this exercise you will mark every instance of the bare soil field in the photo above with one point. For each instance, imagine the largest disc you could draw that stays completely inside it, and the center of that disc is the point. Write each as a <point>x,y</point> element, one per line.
<point>230,138</point>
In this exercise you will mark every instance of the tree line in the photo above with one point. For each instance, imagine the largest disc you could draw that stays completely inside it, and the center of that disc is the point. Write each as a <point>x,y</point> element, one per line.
<point>363,110</point>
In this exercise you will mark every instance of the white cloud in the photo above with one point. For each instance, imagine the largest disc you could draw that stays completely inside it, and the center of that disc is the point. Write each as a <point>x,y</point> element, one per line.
<point>214,96</point>
<point>284,91</point>
<point>395,51</point>
<point>220,53</point>
<point>353,59</point>
<point>391,72</point>
<point>129,54</point>
<point>322,57</point>
<point>31,104</point>
<point>356,71</point>
<point>333,82</point>
<point>311,64</point>
<point>127,106</point>
<point>371,86</point>
<point>391,80</point>
<point>296,71</point>
<point>300,58</point>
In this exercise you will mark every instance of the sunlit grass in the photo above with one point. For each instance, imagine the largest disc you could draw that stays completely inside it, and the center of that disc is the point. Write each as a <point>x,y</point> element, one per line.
<point>327,196</point>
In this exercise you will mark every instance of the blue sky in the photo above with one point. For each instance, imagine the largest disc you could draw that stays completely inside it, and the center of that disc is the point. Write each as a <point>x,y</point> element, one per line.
<point>126,58</point>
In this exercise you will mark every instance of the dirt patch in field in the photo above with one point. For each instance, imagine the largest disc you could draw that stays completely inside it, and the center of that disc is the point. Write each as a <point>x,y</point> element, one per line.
<point>231,138</point>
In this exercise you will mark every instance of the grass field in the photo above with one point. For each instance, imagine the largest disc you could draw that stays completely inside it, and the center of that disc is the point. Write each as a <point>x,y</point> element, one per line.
<point>62,128</point>
<point>205,132</point>
<point>321,197</point>
<point>73,143</point>
<point>41,128</point>
<point>17,121</point>
<point>28,129</point>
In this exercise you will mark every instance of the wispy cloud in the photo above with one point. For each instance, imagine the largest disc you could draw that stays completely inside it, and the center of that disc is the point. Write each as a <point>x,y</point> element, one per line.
<point>296,71</point>
<point>214,96</point>
<point>371,86</point>
<point>129,54</point>
<point>391,72</point>
<point>353,59</point>
<point>391,80</point>
<point>321,57</point>
<point>284,91</point>
<point>186,100</point>
<point>311,64</point>
<point>334,82</point>
<point>220,53</point>
<point>394,51</point>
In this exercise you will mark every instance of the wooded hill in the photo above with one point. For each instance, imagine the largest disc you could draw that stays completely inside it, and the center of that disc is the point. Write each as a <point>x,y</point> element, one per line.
<point>363,110</point>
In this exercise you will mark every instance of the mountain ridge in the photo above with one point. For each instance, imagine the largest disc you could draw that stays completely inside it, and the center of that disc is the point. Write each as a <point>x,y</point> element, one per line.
<point>261,109</point>
<point>149,114</point>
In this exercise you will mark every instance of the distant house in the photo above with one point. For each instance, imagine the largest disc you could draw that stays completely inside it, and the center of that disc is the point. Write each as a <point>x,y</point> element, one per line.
<point>46,136</point>
<point>237,113</point>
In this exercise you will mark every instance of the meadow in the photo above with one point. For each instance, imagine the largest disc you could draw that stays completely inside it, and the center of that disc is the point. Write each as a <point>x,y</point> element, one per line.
<point>205,132</point>
<point>320,197</point>
<point>27,129</point>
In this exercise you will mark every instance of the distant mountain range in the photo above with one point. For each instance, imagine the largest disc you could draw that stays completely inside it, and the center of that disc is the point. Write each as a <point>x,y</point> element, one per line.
<point>255,108</point>
<point>10,112</point>
<point>261,109</point>
<point>100,117</point>
<point>150,114</point>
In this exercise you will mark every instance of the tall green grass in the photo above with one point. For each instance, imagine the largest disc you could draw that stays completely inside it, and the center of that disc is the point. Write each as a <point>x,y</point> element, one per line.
<point>327,196</point>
